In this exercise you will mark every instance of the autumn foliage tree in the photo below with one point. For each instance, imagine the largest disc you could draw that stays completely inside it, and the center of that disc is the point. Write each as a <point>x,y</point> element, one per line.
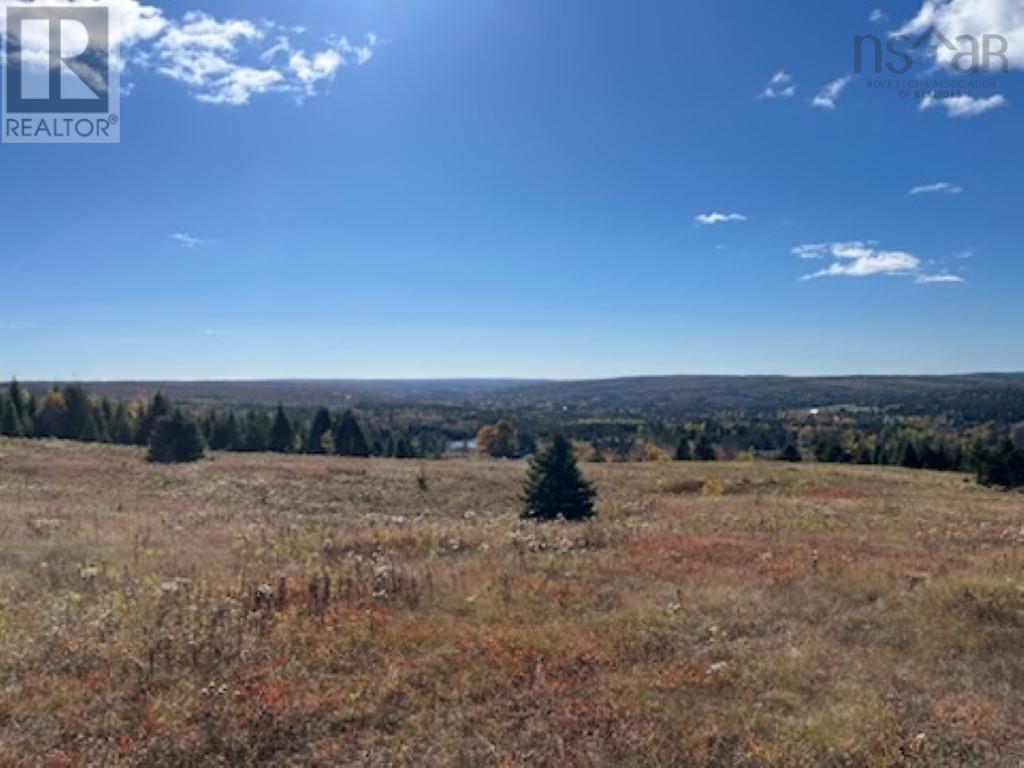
<point>499,440</point>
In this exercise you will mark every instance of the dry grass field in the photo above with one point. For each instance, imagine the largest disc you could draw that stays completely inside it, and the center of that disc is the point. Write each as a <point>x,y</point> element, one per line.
<point>259,610</point>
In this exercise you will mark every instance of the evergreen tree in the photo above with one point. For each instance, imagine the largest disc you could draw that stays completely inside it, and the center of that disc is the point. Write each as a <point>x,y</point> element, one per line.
<point>107,412</point>
<point>910,458</point>
<point>349,439</point>
<point>256,433</point>
<point>17,398</point>
<point>10,422</point>
<point>28,414</point>
<point>158,407</point>
<point>1002,467</point>
<point>791,453</point>
<point>526,444</point>
<point>403,448</point>
<point>705,450</point>
<point>52,419</point>
<point>683,450</point>
<point>555,488</point>
<point>175,439</point>
<point>79,410</point>
<point>121,431</point>
<point>282,434</point>
<point>318,429</point>
<point>90,431</point>
<point>224,435</point>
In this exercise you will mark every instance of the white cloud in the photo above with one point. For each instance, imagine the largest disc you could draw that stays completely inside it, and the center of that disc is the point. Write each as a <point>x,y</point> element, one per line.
<point>862,258</point>
<point>810,250</point>
<point>220,61</point>
<point>827,96</point>
<point>311,70</point>
<point>878,16</point>
<point>963,105</point>
<point>975,18</point>
<point>187,241</point>
<point>781,86</point>
<point>945,187</point>
<point>718,218</point>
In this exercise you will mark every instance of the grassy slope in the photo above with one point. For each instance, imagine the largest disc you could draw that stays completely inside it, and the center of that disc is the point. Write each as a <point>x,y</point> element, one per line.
<point>751,614</point>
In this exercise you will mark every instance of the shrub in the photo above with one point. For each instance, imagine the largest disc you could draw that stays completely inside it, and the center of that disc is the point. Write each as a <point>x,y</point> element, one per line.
<point>555,488</point>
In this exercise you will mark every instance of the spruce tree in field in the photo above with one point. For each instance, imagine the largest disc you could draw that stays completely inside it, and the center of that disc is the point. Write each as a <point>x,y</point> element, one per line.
<point>683,452</point>
<point>175,439</point>
<point>555,488</point>
<point>282,434</point>
<point>349,439</point>
<point>321,426</point>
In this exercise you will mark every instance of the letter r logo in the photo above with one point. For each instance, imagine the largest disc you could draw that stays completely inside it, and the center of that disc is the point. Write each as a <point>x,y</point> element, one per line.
<point>58,60</point>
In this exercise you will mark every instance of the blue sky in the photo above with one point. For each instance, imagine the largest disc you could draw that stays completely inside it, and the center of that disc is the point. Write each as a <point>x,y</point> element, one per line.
<point>388,188</point>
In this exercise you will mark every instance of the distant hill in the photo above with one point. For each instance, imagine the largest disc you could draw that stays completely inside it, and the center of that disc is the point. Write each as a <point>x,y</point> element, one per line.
<point>998,396</point>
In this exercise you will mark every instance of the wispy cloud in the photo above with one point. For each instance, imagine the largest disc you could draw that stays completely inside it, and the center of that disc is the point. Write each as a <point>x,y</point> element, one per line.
<point>944,187</point>
<point>224,61</point>
<point>810,250</point>
<point>187,241</point>
<point>781,86</point>
<point>718,218</point>
<point>863,258</point>
<point>963,105</point>
<point>944,277</point>
<point>827,96</point>
<point>878,16</point>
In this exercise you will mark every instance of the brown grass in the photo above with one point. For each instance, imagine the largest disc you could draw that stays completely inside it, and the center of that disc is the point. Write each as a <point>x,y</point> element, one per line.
<point>257,610</point>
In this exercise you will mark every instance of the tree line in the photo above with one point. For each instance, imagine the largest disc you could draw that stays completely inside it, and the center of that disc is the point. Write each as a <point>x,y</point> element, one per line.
<point>173,434</point>
<point>69,412</point>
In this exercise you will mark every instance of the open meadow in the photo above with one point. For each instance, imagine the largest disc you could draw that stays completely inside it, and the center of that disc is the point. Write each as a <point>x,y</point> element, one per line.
<point>292,611</point>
